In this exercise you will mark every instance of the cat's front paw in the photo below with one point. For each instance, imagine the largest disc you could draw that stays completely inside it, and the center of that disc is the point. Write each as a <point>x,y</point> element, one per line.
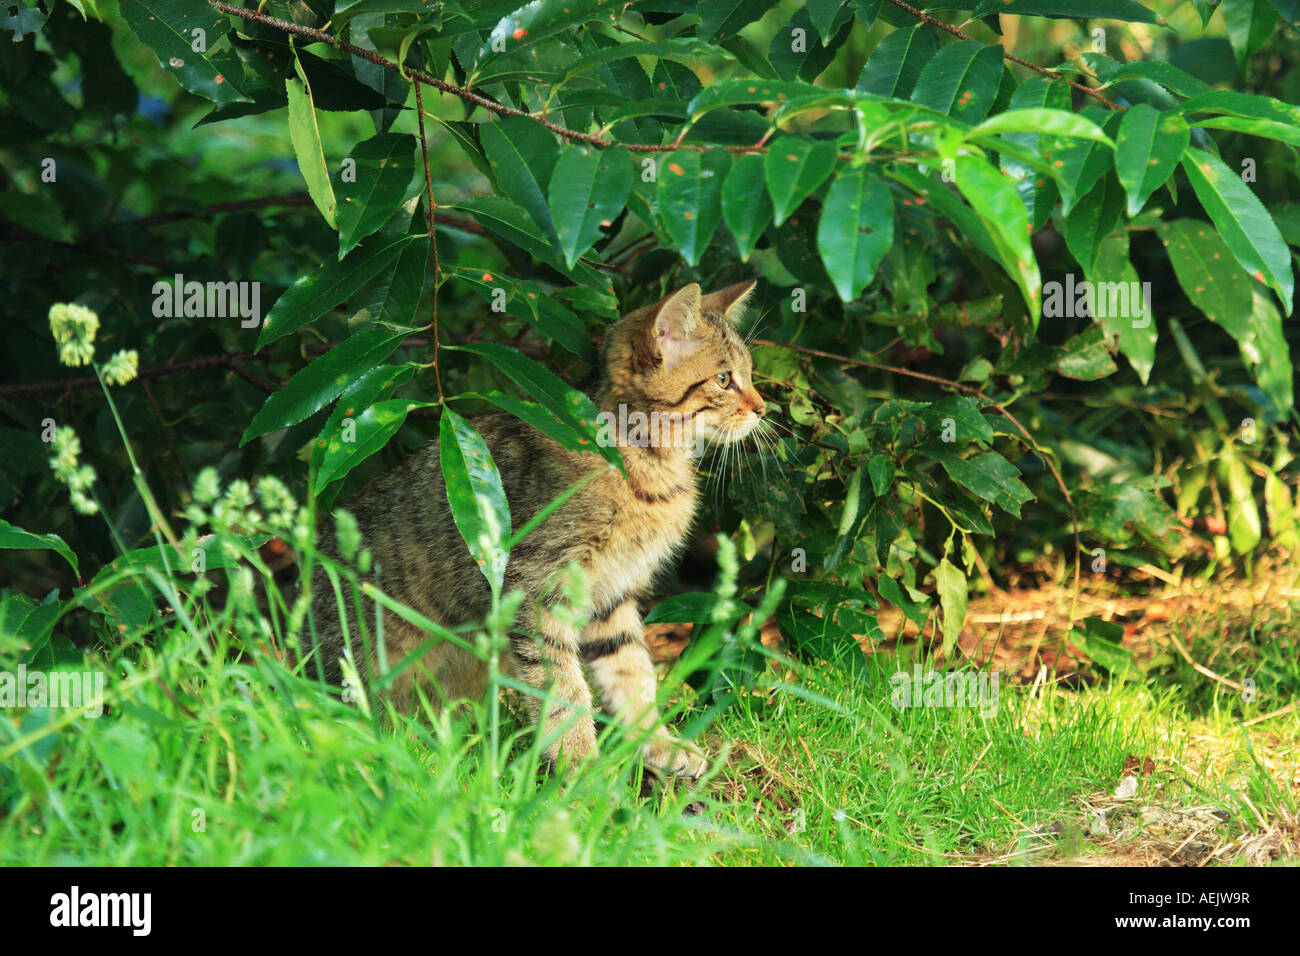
<point>670,757</point>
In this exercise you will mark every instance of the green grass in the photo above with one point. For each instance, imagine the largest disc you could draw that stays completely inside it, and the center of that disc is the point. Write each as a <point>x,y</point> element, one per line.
<point>212,752</point>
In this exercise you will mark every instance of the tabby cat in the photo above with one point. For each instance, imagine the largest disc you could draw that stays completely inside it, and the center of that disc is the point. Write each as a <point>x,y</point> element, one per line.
<point>682,358</point>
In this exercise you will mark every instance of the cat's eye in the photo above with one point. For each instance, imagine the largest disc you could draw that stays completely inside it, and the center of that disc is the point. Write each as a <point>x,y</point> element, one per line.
<point>724,379</point>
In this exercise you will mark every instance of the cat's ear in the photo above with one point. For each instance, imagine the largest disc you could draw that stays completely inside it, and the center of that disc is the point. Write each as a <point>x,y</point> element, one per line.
<point>729,301</point>
<point>675,324</point>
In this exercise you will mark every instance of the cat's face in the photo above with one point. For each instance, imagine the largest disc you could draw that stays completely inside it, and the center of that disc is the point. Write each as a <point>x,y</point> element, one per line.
<point>683,359</point>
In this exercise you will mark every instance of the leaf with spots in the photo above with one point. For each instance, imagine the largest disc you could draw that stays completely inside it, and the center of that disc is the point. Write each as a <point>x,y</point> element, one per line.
<point>367,434</point>
<point>168,27</point>
<point>795,167</point>
<point>1242,222</point>
<point>475,495</point>
<point>523,155</point>
<point>1149,147</point>
<point>745,203</point>
<point>589,188</point>
<point>324,380</point>
<point>746,91</point>
<point>897,61</point>
<point>370,188</point>
<point>961,81</point>
<point>332,453</point>
<point>856,230</point>
<point>570,406</point>
<point>690,198</point>
<point>527,300</point>
<point>990,476</point>
<point>537,20</point>
<point>996,202</point>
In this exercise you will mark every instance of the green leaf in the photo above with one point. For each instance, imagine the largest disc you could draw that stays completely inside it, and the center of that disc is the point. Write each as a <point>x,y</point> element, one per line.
<point>950,582</point>
<point>796,51</point>
<point>17,539</point>
<point>313,295</point>
<point>947,204</point>
<point>1082,163</point>
<point>1166,74</point>
<point>998,205</point>
<point>1250,25</point>
<point>746,207</point>
<point>1211,278</point>
<point>338,441</point>
<point>509,222</point>
<point>724,18</point>
<point>823,15</point>
<point>376,184</point>
<point>1086,357</point>
<point>1134,330</point>
<point>523,154</point>
<point>535,21</point>
<point>1266,349</point>
<point>740,92</point>
<point>395,294</point>
<point>1242,222</point>
<point>1247,105</point>
<point>690,198</point>
<point>307,147</point>
<point>1040,120</point>
<point>1244,529</point>
<point>961,81</point>
<point>474,492</point>
<point>168,28</point>
<point>1122,511</point>
<point>529,301</point>
<point>686,608</point>
<point>369,432</point>
<point>897,61</point>
<point>1149,146</point>
<point>1128,10</point>
<point>324,380</point>
<point>795,167</point>
<point>1091,220</point>
<point>1253,127</point>
<point>856,230</point>
<point>1100,641</point>
<point>570,406</point>
<point>589,188</point>
<point>881,471</point>
<point>988,475</point>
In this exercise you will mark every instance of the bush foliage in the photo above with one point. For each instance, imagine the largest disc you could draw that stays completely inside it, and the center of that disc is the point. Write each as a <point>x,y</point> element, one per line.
<point>1009,306</point>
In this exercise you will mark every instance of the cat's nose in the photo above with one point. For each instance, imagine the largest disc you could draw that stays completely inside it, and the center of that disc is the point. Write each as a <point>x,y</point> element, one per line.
<point>759,410</point>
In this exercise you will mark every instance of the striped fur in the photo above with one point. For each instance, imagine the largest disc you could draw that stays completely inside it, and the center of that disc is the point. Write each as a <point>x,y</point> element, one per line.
<point>664,358</point>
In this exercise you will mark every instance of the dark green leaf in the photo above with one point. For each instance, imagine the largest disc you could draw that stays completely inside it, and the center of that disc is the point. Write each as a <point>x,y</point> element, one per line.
<point>315,386</point>
<point>856,230</point>
<point>589,188</point>
<point>795,167</point>
<point>474,492</point>
<point>372,186</point>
